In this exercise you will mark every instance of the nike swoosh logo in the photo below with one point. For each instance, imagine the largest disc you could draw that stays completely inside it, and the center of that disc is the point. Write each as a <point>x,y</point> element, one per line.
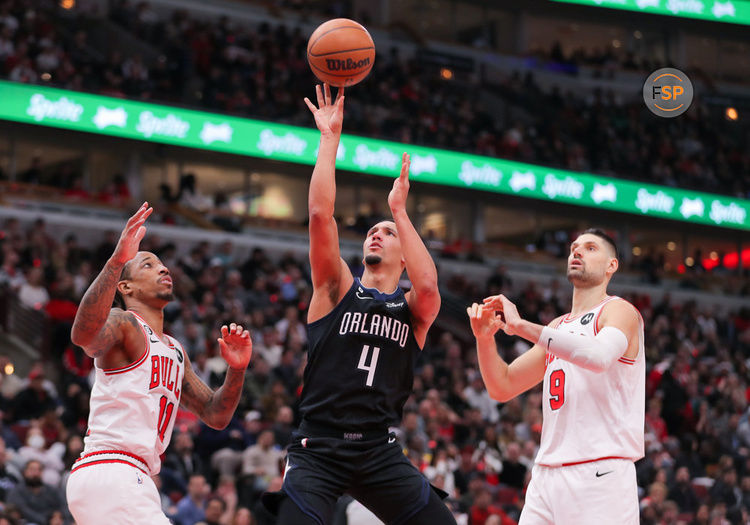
<point>548,343</point>
<point>362,296</point>
<point>603,473</point>
<point>287,468</point>
<point>391,440</point>
<point>154,340</point>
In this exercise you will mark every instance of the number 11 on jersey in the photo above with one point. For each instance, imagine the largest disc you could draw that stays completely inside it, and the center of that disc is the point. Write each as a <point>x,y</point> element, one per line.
<point>373,362</point>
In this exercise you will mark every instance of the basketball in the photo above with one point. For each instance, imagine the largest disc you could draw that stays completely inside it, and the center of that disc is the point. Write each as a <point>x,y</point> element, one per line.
<point>341,52</point>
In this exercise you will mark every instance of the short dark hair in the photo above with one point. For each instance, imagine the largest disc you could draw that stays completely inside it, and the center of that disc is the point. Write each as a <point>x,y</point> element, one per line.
<point>119,301</point>
<point>29,462</point>
<point>220,500</point>
<point>604,235</point>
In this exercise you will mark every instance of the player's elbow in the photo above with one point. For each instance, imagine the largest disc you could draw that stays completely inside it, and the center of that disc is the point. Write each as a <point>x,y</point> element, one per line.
<point>218,422</point>
<point>498,394</point>
<point>428,287</point>
<point>597,366</point>
<point>430,294</point>
<point>79,338</point>
<point>600,358</point>
<point>320,214</point>
<point>75,338</point>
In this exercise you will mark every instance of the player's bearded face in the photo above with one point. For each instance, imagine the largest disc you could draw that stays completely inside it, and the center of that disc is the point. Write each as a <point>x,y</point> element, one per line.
<point>577,272</point>
<point>587,267</point>
<point>165,296</point>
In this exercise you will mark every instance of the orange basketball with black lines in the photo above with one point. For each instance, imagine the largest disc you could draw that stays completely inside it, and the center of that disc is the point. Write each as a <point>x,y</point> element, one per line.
<point>341,52</point>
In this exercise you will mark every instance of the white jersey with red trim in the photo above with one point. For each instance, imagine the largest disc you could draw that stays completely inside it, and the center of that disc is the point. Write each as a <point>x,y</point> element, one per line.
<point>133,408</point>
<point>590,416</point>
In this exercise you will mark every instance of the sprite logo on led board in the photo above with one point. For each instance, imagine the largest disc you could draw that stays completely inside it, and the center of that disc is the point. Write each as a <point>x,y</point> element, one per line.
<point>734,11</point>
<point>38,105</point>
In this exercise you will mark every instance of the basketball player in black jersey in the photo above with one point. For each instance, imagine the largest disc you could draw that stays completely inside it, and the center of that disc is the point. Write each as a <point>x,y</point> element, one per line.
<point>365,336</point>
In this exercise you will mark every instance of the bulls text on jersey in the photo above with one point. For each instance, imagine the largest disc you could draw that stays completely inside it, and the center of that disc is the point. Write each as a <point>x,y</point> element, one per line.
<point>165,372</point>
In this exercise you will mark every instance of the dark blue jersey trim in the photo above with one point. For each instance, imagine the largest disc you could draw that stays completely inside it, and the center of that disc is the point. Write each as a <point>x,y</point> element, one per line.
<point>377,294</point>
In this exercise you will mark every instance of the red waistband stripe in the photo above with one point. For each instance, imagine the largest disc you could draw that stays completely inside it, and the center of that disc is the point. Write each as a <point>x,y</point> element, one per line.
<point>100,461</point>
<point>585,461</point>
<point>111,456</point>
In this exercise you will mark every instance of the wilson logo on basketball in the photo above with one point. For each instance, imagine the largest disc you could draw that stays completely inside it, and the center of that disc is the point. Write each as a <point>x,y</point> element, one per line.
<point>334,64</point>
<point>341,52</point>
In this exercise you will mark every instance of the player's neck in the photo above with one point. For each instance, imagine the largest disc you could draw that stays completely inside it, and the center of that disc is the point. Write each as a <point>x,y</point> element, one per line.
<point>584,299</point>
<point>153,317</point>
<point>380,279</point>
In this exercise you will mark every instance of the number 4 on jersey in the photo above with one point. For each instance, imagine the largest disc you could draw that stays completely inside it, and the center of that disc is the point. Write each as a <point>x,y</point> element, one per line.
<point>373,362</point>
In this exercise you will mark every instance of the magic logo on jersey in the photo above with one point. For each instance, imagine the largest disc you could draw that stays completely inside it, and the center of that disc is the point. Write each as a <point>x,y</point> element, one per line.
<point>377,325</point>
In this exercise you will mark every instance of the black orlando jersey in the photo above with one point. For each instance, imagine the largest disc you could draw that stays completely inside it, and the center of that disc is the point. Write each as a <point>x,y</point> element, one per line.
<point>360,365</point>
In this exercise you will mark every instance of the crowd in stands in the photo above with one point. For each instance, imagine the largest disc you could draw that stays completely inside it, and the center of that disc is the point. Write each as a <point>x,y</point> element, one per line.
<point>247,69</point>
<point>650,266</point>
<point>697,464</point>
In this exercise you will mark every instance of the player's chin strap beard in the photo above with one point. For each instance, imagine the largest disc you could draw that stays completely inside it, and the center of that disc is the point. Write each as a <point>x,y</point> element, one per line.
<point>373,259</point>
<point>165,296</point>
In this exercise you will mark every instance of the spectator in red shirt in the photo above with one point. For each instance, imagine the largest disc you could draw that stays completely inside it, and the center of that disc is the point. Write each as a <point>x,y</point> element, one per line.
<point>654,422</point>
<point>77,191</point>
<point>483,509</point>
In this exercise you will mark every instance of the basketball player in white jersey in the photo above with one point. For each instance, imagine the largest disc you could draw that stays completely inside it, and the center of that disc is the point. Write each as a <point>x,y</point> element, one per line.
<point>592,364</point>
<point>142,375</point>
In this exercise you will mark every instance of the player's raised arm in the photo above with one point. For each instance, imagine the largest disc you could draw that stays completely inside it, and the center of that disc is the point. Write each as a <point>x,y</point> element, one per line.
<point>330,275</point>
<point>424,297</point>
<point>216,408</point>
<point>97,326</point>
<point>617,337</point>
<point>503,381</point>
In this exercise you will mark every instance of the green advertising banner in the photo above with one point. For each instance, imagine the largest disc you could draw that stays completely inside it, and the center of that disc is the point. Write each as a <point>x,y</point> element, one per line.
<point>734,11</point>
<point>169,125</point>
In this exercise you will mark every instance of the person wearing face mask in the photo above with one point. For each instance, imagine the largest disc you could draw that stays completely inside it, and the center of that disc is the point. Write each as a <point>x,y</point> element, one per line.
<point>50,458</point>
<point>35,500</point>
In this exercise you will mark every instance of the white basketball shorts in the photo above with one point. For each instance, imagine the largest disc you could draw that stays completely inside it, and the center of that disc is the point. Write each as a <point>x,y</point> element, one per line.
<point>114,493</point>
<point>590,493</point>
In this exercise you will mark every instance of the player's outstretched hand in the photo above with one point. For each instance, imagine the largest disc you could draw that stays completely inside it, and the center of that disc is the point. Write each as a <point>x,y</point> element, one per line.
<point>397,197</point>
<point>484,322</point>
<point>236,346</point>
<point>132,235</point>
<point>510,315</point>
<point>329,116</point>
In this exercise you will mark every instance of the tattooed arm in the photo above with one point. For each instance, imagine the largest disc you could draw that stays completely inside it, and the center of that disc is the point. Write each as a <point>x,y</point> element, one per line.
<point>216,408</point>
<point>96,328</point>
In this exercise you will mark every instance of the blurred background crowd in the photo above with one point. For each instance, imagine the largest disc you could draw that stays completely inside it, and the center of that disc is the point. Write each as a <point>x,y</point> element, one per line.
<point>696,469</point>
<point>697,464</point>
<point>245,70</point>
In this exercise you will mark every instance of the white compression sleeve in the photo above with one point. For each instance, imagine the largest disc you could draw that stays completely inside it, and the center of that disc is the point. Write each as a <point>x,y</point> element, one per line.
<point>592,353</point>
